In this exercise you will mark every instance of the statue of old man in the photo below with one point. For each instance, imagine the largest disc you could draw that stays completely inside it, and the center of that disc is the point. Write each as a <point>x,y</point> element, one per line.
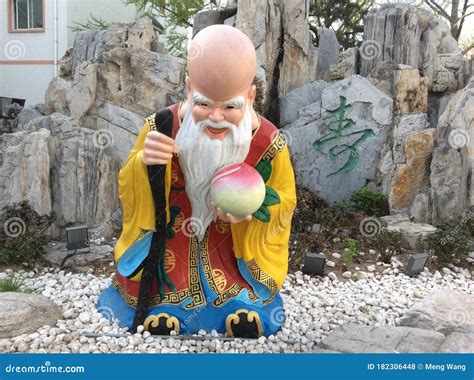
<point>183,263</point>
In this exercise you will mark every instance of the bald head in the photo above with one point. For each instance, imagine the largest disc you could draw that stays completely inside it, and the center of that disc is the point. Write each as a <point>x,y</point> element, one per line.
<point>221,62</point>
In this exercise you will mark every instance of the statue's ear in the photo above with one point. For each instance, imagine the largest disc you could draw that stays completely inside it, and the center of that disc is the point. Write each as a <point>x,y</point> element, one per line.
<point>252,93</point>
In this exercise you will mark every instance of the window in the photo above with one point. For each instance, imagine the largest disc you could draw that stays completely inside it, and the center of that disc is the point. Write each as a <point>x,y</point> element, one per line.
<point>27,14</point>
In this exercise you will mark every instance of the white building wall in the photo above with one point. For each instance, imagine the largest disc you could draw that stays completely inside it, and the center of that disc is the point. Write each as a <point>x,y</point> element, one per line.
<point>109,10</point>
<point>21,79</point>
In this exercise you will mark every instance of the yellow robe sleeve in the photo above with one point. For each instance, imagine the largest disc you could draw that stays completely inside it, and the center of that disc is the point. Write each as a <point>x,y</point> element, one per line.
<point>138,208</point>
<point>264,246</point>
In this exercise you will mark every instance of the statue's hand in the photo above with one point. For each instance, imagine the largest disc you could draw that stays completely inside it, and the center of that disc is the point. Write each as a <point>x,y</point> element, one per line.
<point>158,148</point>
<point>228,217</point>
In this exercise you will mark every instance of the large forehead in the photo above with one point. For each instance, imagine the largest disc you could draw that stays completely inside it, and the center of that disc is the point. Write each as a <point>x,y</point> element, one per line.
<point>221,62</point>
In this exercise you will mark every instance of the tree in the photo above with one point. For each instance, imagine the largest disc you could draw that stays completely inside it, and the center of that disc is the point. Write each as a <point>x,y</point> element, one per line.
<point>176,14</point>
<point>345,17</point>
<point>467,45</point>
<point>92,22</point>
<point>454,11</point>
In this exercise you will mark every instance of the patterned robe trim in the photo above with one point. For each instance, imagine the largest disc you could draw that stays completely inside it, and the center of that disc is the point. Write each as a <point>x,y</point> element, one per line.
<point>266,143</point>
<point>264,278</point>
<point>278,143</point>
<point>277,146</point>
<point>151,122</point>
<point>194,292</point>
<point>214,280</point>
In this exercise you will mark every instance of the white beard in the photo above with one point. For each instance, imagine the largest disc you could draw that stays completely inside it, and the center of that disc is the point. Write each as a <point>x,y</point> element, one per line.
<point>200,157</point>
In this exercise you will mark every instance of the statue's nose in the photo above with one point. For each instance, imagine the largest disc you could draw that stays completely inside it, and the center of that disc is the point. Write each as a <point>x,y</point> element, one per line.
<point>216,115</point>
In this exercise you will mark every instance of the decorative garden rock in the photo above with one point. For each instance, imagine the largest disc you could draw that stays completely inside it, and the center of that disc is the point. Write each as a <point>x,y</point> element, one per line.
<point>334,148</point>
<point>353,338</point>
<point>443,310</point>
<point>22,313</point>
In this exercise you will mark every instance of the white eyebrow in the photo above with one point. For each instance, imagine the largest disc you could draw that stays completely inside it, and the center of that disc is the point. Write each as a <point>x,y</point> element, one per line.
<point>200,98</point>
<point>238,101</point>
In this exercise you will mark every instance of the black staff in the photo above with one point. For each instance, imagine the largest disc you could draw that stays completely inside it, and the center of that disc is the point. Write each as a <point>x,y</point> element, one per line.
<point>153,266</point>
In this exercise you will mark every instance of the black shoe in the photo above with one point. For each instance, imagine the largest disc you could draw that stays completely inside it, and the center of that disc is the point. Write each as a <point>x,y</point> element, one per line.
<point>161,324</point>
<point>244,324</point>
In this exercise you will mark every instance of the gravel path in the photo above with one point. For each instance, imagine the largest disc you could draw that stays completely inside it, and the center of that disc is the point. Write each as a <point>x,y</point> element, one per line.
<point>314,306</point>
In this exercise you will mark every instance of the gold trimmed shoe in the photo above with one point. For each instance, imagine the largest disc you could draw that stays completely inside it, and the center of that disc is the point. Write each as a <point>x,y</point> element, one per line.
<point>244,324</point>
<point>161,324</point>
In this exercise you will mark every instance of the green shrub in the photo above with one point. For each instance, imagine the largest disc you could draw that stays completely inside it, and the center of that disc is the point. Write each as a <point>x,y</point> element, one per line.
<point>334,218</point>
<point>13,284</point>
<point>386,243</point>
<point>369,202</point>
<point>450,244</point>
<point>352,250</point>
<point>23,234</point>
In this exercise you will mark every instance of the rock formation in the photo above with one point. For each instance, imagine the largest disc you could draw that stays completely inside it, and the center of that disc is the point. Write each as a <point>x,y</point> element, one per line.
<point>425,160</point>
<point>395,113</point>
<point>113,79</point>
<point>415,37</point>
<point>337,134</point>
<point>67,160</point>
<point>58,166</point>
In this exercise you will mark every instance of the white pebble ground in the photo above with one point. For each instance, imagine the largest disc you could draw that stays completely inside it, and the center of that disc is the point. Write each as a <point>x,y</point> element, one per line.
<point>314,306</point>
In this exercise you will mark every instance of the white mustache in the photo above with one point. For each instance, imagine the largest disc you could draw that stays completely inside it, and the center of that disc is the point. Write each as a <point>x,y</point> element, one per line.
<point>220,125</point>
